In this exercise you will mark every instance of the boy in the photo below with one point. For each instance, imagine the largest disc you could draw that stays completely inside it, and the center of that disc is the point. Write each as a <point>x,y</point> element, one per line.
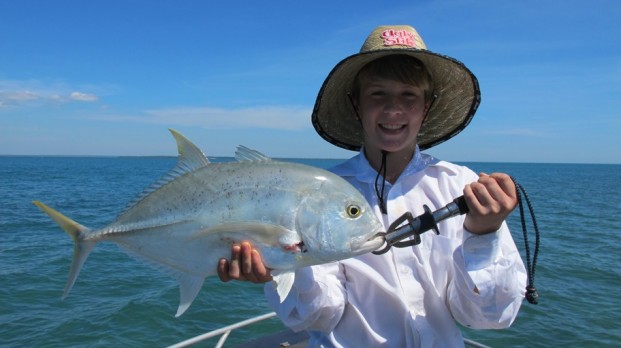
<point>389,102</point>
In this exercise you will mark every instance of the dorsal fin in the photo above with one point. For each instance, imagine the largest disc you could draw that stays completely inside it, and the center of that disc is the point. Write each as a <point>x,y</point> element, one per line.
<point>244,154</point>
<point>190,158</point>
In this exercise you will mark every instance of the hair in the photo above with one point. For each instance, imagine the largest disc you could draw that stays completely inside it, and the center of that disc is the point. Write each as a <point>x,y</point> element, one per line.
<point>399,67</point>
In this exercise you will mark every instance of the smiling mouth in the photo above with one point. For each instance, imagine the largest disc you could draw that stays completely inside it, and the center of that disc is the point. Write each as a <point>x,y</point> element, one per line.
<point>391,127</point>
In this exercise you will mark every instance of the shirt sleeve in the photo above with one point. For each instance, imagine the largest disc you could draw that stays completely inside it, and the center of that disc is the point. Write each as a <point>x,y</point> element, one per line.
<point>490,281</point>
<point>316,301</point>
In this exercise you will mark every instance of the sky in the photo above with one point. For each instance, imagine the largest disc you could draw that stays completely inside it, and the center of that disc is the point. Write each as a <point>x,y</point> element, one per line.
<point>110,77</point>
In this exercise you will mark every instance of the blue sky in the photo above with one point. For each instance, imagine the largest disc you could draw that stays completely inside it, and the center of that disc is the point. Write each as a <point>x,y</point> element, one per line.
<point>110,77</point>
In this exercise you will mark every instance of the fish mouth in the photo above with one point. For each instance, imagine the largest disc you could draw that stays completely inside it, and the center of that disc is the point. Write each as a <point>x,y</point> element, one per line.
<point>374,242</point>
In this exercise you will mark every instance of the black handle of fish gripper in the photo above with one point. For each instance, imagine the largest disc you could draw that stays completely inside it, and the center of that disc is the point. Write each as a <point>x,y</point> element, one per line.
<point>457,207</point>
<point>461,204</point>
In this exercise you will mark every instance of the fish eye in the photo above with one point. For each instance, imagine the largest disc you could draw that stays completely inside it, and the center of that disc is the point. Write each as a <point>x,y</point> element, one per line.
<point>353,211</point>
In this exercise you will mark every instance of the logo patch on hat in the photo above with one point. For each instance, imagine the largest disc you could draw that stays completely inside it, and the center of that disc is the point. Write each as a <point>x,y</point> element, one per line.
<point>393,37</point>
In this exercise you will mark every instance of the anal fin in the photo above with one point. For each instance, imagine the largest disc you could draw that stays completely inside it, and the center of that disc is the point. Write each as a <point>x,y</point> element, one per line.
<point>189,286</point>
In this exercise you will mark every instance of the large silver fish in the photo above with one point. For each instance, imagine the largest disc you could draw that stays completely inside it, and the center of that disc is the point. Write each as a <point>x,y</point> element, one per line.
<point>295,215</point>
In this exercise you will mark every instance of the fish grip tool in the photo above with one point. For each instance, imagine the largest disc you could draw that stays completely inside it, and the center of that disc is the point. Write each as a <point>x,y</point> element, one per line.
<point>409,226</point>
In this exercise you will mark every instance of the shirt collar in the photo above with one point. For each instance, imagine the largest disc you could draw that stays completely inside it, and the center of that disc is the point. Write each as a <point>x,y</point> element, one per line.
<point>360,168</point>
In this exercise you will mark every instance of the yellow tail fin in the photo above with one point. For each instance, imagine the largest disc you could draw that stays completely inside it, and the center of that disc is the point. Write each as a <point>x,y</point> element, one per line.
<point>81,246</point>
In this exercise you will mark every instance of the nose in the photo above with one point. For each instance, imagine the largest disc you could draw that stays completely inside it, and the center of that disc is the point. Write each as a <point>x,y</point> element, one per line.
<point>393,105</point>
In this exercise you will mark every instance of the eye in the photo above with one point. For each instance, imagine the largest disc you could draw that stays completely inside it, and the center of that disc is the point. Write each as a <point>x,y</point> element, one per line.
<point>353,211</point>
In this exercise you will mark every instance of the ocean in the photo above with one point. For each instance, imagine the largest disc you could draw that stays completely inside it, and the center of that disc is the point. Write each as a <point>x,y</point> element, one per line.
<point>119,301</point>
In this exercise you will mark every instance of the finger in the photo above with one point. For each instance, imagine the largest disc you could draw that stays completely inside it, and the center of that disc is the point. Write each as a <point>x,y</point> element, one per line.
<point>506,183</point>
<point>234,271</point>
<point>248,261</point>
<point>482,195</point>
<point>261,272</point>
<point>502,189</point>
<point>223,270</point>
<point>246,258</point>
<point>493,192</point>
<point>471,199</point>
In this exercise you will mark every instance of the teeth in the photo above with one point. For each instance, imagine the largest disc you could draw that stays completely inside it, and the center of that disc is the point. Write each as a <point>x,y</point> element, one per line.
<point>391,126</point>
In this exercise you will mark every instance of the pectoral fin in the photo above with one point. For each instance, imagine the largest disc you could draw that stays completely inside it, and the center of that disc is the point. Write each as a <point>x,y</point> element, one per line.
<point>283,282</point>
<point>265,233</point>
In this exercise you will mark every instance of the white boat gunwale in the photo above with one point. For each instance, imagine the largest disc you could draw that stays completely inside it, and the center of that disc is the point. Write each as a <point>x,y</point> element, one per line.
<point>280,339</point>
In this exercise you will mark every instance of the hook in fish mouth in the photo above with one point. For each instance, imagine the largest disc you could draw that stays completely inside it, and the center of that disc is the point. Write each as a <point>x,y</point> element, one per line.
<point>371,243</point>
<point>379,235</point>
<point>384,246</point>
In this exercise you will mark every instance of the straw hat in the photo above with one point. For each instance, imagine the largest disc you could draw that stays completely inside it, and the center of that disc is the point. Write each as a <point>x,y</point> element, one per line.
<point>456,88</point>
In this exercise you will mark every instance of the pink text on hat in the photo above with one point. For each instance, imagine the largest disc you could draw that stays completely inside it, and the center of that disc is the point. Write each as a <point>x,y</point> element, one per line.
<point>398,37</point>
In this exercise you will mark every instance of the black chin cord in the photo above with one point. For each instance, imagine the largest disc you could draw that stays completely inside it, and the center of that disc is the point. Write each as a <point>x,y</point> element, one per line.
<point>531,292</point>
<point>380,192</point>
<point>382,170</point>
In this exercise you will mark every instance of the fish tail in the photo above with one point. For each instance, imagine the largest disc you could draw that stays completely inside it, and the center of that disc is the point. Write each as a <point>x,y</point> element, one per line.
<point>81,247</point>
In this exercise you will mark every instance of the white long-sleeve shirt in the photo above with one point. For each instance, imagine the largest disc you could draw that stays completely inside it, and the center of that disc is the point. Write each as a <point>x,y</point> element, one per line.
<point>409,297</point>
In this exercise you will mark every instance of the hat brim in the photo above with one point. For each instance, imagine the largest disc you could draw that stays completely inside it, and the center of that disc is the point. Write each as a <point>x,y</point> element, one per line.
<point>455,86</point>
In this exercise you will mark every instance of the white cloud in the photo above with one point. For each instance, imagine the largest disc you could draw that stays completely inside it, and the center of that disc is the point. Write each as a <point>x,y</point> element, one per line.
<point>20,96</point>
<point>266,117</point>
<point>14,93</point>
<point>83,97</point>
<point>10,98</point>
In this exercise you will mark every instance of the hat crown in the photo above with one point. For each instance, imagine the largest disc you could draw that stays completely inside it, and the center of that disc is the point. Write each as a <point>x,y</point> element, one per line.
<point>393,37</point>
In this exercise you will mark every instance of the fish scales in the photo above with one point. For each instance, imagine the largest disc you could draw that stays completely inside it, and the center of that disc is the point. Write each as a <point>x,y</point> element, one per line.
<point>224,192</point>
<point>186,207</point>
<point>295,215</point>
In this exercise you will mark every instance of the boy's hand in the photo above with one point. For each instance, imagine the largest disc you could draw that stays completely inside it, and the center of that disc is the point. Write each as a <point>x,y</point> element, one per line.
<point>490,200</point>
<point>245,265</point>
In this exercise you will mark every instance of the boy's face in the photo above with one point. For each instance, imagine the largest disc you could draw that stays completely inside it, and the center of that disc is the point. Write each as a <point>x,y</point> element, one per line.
<point>392,113</point>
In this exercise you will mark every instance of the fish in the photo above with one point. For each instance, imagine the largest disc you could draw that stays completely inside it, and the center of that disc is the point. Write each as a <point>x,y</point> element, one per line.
<point>295,215</point>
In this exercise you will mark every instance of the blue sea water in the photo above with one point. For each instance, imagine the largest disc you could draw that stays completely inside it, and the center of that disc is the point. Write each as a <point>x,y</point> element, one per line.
<point>118,301</point>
